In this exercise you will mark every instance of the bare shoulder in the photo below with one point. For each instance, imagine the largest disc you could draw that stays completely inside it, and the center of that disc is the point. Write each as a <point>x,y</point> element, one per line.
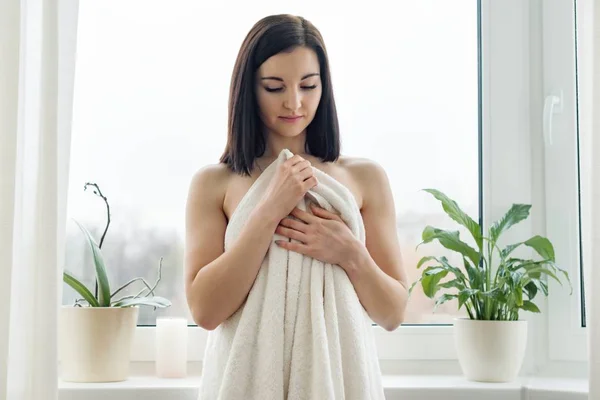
<point>364,171</point>
<point>212,172</point>
<point>360,164</point>
<point>211,181</point>
<point>370,178</point>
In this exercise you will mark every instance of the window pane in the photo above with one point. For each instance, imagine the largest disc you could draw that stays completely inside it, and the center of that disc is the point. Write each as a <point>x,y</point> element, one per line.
<point>151,108</point>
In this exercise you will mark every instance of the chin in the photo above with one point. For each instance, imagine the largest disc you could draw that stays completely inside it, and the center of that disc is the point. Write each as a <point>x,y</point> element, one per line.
<point>290,134</point>
<point>289,131</point>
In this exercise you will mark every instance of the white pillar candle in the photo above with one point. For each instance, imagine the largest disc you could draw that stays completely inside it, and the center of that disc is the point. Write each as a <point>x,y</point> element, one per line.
<point>171,347</point>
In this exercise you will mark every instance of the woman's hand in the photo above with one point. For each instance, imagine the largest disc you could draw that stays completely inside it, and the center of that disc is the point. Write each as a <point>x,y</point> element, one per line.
<point>324,236</point>
<point>291,181</point>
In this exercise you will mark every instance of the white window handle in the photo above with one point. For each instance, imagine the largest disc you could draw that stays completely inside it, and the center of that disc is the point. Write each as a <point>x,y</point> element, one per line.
<point>552,105</point>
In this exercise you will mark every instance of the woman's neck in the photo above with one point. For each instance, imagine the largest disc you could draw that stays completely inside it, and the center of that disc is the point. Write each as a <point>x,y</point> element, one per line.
<point>276,143</point>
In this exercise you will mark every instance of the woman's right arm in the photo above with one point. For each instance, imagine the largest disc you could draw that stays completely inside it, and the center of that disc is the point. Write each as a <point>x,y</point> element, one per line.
<point>218,282</point>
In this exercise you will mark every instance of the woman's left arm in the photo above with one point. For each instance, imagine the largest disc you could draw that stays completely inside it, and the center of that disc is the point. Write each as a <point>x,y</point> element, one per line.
<point>376,268</point>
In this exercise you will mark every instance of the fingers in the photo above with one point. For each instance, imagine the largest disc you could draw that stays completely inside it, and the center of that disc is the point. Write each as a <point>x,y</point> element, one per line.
<point>291,246</point>
<point>297,164</point>
<point>294,224</point>
<point>294,160</point>
<point>306,173</point>
<point>323,213</point>
<point>303,170</point>
<point>302,166</point>
<point>310,183</point>
<point>291,233</point>
<point>303,215</point>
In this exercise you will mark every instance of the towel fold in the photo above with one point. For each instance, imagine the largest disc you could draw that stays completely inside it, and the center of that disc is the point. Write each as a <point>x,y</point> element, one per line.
<point>302,333</point>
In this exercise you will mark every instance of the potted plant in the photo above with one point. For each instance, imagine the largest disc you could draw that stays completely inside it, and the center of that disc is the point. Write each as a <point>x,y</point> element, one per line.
<point>96,333</point>
<point>493,285</point>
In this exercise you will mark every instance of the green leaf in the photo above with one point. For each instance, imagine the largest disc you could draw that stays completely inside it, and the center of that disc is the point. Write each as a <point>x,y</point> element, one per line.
<point>475,275</point>
<point>512,264</point>
<point>541,270</point>
<point>562,271</point>
<point>515,278</point>
<point>516,264</point>
<point>451,241</point>
<point>530,306</point>
<point>464,296</point>
<point>518,293</point>
<point>516,214</point>
<point>509,249</point>
<point>154,301</point>
<point>432,275</point>
<point>80,288</point>
<point>542,246</point>
<point>430,281</point>
<point>444,298</point>
<point>436,269</point>
<point>456,271</point>
<point>424,260</point>
<point>501,298</point>
<point>543,286</point>
<point>495,293</point>
<point>101,275</point>
<point>454,283</point>
<point>535,275</point>
<point>531,290</point>
<point>453,211</point>
<point>415,283</point>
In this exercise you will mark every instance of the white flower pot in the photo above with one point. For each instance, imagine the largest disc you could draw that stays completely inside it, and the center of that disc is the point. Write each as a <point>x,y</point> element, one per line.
<point>490,351</point>
<point>95,343</point>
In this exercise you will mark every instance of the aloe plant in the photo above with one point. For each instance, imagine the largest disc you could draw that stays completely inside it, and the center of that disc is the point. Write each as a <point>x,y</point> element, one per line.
<point>491,284</point>
<point>102,296</point>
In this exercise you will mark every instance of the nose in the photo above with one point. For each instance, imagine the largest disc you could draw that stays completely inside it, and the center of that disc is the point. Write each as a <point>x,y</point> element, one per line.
<point>293,100</point>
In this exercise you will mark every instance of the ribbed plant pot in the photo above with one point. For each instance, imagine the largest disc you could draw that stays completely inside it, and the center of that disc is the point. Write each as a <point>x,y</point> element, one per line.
<point>95,343</point>
<point>490,351</point>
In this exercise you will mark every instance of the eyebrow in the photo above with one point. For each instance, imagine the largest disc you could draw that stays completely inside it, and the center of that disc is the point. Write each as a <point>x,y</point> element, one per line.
<point>276,78</point>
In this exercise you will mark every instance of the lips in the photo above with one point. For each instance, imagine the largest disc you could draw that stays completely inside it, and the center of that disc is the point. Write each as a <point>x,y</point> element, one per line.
<point>291,119</point>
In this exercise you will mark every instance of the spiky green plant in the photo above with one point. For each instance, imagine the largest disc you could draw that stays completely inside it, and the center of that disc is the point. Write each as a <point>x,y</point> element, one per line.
<point>102,296</point>
<point>489,287</point>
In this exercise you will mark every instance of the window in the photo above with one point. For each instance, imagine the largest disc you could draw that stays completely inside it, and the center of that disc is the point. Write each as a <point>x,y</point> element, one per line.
<point>151,103</point>
<point>151,108</point>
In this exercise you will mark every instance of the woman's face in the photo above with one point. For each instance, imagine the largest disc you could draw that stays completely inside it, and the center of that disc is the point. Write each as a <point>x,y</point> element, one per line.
<point>289,85</point>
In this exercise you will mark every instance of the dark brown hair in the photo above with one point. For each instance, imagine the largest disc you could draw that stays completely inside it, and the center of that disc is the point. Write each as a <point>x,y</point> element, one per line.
<point>245,138</point>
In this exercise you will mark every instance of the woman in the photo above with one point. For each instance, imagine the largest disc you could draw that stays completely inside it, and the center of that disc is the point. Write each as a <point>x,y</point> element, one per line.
<point>282,98</point>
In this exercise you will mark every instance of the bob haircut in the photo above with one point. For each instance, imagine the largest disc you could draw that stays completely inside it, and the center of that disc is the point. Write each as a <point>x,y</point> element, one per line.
<point>245,138</point>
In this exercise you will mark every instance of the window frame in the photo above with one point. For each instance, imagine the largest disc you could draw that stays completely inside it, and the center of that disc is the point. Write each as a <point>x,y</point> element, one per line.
<point>567,338</point>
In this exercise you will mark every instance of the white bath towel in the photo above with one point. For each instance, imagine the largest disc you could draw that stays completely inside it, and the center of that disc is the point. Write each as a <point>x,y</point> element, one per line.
<point>302,333</point>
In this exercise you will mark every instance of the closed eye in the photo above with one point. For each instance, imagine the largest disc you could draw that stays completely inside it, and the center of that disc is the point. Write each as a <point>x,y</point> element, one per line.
<point>271,90</point>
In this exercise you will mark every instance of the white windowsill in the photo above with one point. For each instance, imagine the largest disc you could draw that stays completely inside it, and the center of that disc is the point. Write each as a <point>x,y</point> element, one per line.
<point>405,387</point>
